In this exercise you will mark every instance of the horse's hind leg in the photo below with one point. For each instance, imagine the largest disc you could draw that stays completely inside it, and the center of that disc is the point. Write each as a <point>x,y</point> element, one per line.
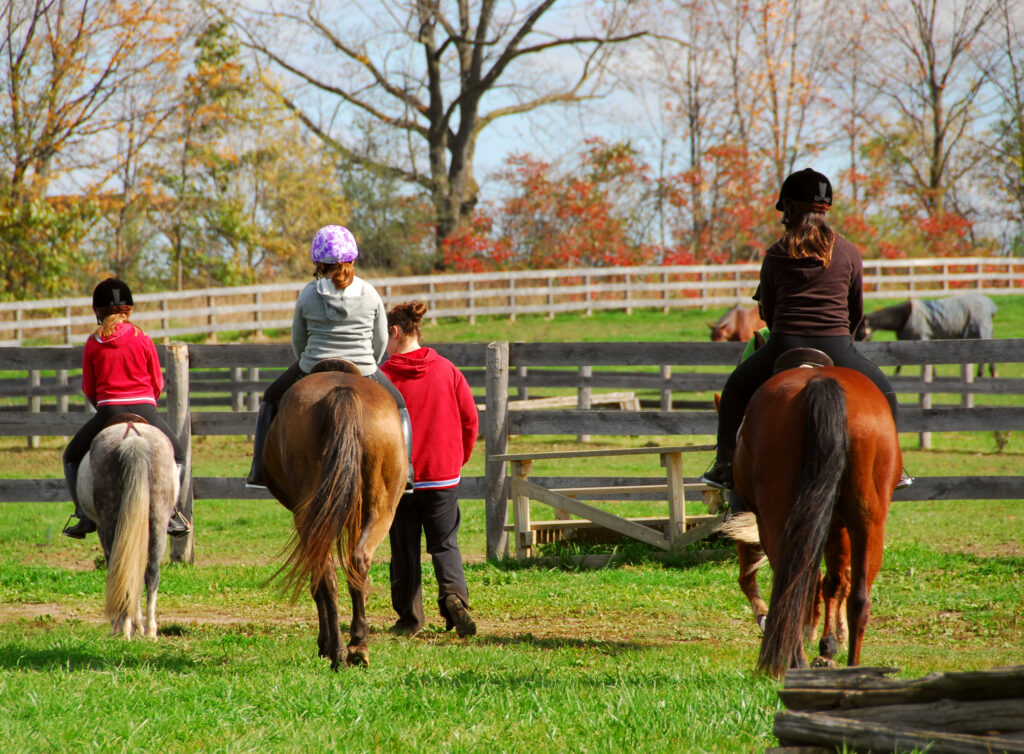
<point>834,590</point>
<point>865,565</point>
<point>750,557</point>
<point>325,595</point>
<point>358,651</point>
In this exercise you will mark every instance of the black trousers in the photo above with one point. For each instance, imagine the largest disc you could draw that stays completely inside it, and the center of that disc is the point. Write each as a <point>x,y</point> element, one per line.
<point>434,513</point>
<point>755,371</point>
<point>275,392</point>
<point>79,445</point>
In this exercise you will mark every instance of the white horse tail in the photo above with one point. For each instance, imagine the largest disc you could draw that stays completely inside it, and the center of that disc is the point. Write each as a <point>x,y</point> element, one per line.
<point>129,552</point>
<point>742,527</point>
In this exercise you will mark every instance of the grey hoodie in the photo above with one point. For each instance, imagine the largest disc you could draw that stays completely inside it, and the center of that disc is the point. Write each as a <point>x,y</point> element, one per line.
<point>347,324</point>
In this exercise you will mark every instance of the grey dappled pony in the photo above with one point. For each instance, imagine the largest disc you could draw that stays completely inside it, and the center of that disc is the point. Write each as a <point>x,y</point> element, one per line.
<point>128,485</point>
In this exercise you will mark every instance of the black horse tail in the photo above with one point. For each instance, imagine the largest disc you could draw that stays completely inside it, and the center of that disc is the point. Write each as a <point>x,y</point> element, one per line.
<point>333,516</point>
<point>807,526</point>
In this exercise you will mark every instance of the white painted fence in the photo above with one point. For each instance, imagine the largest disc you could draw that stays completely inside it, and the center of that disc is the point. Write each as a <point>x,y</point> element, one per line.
<point>252,309</point>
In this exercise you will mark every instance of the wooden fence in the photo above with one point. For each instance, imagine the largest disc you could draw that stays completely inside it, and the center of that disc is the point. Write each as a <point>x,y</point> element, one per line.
<point>213,390</point>
<point>253,309</point>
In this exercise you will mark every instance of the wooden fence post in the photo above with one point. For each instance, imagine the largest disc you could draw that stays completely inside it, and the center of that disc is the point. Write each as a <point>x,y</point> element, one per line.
<point>35,402</point>
<point>179,417</point>
<point>496,443</point>
<point>583,393</point>
<point>666,392</point>
<point>927,375</point>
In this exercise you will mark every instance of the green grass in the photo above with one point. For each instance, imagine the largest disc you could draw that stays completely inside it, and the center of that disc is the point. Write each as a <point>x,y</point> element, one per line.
<point>644,656</point>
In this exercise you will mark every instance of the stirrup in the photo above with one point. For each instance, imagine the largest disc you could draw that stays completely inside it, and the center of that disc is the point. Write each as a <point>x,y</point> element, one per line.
<point>905,481</point>
<point>178,525</point>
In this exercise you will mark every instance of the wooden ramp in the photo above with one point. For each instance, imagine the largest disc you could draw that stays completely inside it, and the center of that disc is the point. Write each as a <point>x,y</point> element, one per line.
<point>671,533</point>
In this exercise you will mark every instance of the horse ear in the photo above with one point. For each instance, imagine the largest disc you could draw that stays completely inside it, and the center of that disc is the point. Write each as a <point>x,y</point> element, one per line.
<point>712,325</point>
<point>718,399</point>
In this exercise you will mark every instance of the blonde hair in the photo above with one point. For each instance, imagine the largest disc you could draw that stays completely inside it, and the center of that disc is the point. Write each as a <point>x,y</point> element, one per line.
<point>112,317</point>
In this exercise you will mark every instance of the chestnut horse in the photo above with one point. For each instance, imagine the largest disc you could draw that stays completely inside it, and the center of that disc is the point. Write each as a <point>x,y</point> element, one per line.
<point>817,460</point>
<point>128,484</point>
<point>738,324</point>
<point>335,457</point>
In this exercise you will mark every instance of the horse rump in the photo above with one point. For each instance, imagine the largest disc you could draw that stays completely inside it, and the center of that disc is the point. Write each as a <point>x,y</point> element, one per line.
<point>132,486</point>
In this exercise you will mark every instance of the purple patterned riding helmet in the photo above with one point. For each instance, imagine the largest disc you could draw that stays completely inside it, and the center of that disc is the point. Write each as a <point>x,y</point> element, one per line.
<point>333,244</point>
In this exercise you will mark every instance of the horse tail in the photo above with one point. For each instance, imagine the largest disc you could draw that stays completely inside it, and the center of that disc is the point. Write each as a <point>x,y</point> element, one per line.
<point>333,516</point>
<point>129,553</point>
<point>807,525</point>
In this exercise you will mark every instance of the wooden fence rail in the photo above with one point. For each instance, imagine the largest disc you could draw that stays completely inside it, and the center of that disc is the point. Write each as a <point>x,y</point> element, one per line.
<point>255,308</point>
<point>237,374</point>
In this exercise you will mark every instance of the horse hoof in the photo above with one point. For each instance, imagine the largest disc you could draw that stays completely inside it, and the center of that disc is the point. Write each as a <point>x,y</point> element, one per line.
<point>358,657</point>
<point>823,662</point>
<point>761,620</point>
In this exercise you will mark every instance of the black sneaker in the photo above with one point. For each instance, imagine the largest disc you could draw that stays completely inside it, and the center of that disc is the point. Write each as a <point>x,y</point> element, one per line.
<point>719,476</point>
<point>79,530</point>
<point>458,616</point>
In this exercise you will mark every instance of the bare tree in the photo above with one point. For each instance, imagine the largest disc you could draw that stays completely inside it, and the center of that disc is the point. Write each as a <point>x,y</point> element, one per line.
<point>1003,168</point>
<point>436,73</point>
<point>929,74</point>
<point>61,64</point>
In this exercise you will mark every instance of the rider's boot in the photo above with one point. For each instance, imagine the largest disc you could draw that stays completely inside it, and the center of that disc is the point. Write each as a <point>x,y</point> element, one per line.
<point>403,413</point>
<point>178,525</point>
<point>85,524</point>
<point>905,479</point>
<point>263,420</point>
<point>720,473</point>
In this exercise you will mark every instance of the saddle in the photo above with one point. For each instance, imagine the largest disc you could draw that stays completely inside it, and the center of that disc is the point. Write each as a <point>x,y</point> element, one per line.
<point>801,357</point>
<point>335,365</point>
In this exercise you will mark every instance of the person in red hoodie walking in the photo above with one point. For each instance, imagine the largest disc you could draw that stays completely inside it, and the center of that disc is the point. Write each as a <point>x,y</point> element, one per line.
<point>120,374</point>
<point>445,428</point>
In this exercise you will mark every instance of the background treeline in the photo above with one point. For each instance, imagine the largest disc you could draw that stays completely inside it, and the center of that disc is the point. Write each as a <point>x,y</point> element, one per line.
<point>182,143</point>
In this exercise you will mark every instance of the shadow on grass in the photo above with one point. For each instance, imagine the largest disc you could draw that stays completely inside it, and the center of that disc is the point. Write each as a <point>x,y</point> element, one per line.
<point>87,659</point>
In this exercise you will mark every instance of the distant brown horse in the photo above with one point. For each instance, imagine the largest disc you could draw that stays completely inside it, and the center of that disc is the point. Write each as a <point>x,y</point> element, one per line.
<point>817,461</point>
<point>335,457</point>
<point>738,324</point>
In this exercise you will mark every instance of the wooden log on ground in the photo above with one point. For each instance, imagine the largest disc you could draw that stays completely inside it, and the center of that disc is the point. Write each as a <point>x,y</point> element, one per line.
<point>829,730</point>
<point>822,690</point>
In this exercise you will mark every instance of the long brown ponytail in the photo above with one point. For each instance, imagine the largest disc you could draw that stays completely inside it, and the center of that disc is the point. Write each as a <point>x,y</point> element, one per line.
<point>810,236</point>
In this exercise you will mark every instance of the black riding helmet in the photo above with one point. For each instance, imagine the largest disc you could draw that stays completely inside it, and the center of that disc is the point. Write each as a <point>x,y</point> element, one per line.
<point>808,186</point>
<point>112,292</point>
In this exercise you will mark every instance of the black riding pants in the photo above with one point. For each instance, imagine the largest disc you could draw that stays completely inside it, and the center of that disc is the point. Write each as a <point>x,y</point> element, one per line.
<point>435,514</point>
<point>275,392</point>
<point>79,445</point>
<point>755,371</point>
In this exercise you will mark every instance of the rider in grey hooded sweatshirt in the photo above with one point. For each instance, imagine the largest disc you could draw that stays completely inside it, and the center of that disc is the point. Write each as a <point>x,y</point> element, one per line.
<point>337,316</point>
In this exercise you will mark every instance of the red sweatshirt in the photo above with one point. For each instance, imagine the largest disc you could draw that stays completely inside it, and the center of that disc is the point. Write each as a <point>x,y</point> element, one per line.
<point>443,413</point>
<point>121,369</point>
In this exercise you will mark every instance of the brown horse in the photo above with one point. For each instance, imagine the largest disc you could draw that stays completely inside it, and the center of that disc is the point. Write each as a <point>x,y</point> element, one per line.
<point>817,461</point>
<point>738,324</point>
<point>335,457</point>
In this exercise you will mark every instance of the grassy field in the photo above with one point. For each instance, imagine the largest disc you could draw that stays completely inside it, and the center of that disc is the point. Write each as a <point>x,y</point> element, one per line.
<point>644,656</point>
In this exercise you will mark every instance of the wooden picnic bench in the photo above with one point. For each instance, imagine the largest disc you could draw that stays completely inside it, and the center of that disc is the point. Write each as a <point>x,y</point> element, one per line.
<point>670,533</point>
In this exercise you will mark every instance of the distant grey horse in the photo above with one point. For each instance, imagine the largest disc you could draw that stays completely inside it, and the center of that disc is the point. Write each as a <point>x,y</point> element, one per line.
<point>955,317</point>
<point>128,484</point>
